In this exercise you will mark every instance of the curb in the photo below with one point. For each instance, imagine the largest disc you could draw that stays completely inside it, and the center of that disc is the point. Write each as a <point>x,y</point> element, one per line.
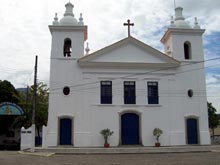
<point>45,154</point>
<point>120,150</point>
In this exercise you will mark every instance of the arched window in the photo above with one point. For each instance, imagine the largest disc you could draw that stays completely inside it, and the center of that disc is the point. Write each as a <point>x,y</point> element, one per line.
<point>187,50</point>
<point>67,48</point>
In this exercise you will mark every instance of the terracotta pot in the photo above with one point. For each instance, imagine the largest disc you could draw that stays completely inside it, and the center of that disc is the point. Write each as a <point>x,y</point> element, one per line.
<point>106,145</point>
<point>157,144</point>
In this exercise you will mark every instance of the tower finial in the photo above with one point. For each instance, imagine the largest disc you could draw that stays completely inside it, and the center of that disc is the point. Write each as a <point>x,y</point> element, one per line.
<point>196,24</point>
<point>87,48</point>
<point>172,22</point>
<point>81,19</point>
<point>55,22</point>
<point>179,21</point>
<point>69,9</point>
<point>179,13</point>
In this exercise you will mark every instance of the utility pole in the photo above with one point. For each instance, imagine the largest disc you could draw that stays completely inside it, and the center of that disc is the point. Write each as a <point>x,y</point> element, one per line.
<point>35,91</point>
<point>34,106</point>
<point>27,92</point>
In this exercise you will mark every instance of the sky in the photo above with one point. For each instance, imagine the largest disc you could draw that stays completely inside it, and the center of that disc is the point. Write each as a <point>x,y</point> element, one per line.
<point>24,32</point>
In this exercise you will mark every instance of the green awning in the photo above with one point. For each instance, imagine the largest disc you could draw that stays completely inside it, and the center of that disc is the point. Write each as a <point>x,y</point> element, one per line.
<point>7,108</point>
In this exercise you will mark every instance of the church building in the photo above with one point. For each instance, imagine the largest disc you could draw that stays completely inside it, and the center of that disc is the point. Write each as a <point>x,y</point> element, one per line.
<point>129,87</point>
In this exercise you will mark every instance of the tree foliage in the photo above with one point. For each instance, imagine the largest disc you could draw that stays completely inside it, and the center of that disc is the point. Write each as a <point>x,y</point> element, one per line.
<point>41,113</point>
<point>157,132</point>
<point>213,117</point>
<point>24,98</point>
<point>8,92</point>
<point>106,133</point>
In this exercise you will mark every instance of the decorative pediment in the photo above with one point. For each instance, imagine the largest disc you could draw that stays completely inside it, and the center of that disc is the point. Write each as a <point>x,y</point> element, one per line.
<point>128,52</point>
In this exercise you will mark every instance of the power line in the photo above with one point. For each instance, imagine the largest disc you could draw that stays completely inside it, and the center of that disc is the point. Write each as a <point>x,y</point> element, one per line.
<point>149,72</point>
<point>120,83</point>
<point>161,95</point>
<point>56,82</point>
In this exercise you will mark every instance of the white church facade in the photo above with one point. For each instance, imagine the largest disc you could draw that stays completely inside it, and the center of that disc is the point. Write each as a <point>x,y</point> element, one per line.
<point>128,87</point>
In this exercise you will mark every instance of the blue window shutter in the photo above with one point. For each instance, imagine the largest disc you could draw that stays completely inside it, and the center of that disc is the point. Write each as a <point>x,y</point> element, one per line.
<point>153,97</point>
<point>129,92</point>
<point>106,92</point>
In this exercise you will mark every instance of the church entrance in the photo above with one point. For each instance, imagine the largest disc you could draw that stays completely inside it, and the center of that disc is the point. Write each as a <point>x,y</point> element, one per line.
<point>65,131</point>
<point>192,131</point>
<point>130,129</point>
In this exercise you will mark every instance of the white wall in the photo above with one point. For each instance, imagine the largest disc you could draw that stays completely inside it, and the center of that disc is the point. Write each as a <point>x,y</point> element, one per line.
<point>90,117</point>
<point>83,104</point>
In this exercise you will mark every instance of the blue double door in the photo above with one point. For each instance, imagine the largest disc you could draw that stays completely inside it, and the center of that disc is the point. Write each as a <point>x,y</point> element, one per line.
<point>130,133</point>
<point>65,131</point>
<point>192,131</point>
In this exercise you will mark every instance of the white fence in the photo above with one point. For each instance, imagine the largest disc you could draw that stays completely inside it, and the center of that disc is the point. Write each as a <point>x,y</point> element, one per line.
<point>28,138</point>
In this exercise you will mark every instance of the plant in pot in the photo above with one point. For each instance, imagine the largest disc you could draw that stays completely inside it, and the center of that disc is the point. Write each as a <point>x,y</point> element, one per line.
<point>157,132</point>
<point>106,133</point>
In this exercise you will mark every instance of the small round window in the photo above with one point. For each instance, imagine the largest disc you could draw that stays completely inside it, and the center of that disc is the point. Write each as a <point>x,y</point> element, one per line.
<point>190,93</point>
<point>66,90</point>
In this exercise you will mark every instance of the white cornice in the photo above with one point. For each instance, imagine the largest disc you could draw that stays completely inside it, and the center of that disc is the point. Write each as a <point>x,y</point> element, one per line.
<point>130,65</point>
<point>180,31</point>
<point>69,29</point>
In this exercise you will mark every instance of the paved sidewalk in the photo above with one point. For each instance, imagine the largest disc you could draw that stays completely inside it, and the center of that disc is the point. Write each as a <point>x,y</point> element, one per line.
<point>201,158</point>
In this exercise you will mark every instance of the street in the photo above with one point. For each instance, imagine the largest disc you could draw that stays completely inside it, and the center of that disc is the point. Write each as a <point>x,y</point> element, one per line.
<point>202,158</point>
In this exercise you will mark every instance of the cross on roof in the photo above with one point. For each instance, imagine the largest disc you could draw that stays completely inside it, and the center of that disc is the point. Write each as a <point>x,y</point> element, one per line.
<point>128,24</point>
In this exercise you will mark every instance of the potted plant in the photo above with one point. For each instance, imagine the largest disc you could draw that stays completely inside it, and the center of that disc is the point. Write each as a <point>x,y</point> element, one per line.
<point>106,133</point>
<point>157,132</point>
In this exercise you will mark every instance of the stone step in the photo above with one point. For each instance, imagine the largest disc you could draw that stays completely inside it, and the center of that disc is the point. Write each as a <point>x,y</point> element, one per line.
<point>129,150</point>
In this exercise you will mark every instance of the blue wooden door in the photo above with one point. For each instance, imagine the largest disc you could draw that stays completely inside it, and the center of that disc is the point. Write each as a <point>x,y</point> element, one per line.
<point>130,129</point>
<point>65,131</point>
<point>192,131</point>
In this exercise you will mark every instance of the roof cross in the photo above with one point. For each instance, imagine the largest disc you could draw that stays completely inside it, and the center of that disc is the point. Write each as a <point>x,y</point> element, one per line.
<point>128,24</point>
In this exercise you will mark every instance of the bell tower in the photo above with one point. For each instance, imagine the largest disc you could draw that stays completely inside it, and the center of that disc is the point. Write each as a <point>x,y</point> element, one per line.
<point>182,41</point>
<point>68,35</point>
<point>185,44</point>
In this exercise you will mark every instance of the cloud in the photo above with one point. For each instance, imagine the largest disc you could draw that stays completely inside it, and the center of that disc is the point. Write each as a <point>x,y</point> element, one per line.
<point>212,79</point>
<point>213,88</point>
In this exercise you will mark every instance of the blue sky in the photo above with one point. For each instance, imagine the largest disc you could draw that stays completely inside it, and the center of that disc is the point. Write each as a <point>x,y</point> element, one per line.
<point>212,50</point>
<point>24,32</point>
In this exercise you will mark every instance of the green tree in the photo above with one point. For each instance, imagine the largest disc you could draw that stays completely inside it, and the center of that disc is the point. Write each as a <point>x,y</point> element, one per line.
<point>8,92</point>
<point>41,113</point>
<point>42,106</point>
<point>213,118</point>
